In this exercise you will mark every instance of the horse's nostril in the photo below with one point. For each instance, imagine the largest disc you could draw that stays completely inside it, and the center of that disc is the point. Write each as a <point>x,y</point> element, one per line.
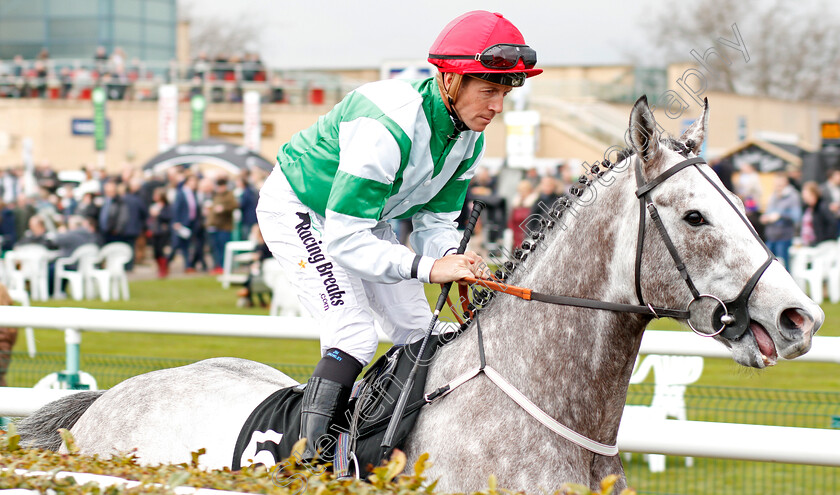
<point>793,322</point>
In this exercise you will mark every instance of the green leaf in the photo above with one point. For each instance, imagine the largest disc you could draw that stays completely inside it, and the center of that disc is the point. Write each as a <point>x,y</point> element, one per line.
<point>68,440</point>
<point>178,478</point>
<point>12,439</point>
<point>608,483</point>
<point>575,489</point>
<point>395,465</point>
<point>492,484</point>
<point>421,465</point>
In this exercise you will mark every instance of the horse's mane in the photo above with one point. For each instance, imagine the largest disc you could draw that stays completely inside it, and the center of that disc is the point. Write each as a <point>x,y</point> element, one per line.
<point>553,215</point>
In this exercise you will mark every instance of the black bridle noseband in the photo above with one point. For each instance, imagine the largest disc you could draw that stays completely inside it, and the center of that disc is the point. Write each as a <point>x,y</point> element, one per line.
<point>733,316</point>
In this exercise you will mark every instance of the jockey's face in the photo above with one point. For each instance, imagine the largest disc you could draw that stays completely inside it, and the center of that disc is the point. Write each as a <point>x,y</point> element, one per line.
<point>479,101</point>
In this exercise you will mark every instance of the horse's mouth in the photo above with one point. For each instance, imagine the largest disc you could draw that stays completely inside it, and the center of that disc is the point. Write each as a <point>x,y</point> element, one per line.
<point>765,344</point>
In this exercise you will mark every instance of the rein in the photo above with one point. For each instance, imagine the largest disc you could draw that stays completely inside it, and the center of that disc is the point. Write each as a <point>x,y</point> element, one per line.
<point>732,315</point>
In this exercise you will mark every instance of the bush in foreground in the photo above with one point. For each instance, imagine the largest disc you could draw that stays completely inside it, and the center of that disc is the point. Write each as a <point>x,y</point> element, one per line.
<point>289,477</point>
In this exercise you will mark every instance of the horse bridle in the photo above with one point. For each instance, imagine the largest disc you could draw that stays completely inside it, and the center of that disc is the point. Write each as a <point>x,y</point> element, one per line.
<point>733,316</point>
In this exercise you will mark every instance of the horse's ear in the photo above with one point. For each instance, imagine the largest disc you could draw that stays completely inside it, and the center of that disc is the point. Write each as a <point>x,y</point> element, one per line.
<point>696,132</point>
<point>643,135</point>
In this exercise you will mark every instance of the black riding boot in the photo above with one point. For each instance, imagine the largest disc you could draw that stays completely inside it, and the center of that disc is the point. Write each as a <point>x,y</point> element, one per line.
<point>325,400</point>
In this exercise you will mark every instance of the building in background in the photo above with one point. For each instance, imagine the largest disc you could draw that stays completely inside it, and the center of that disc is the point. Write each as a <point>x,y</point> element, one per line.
<point>73,29</point>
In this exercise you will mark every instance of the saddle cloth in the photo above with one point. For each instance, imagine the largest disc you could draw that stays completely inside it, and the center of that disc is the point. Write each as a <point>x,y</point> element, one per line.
<point>272,429</point>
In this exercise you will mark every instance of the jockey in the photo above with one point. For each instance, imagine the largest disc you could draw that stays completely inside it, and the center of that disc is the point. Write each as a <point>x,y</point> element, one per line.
<point>389,150</point>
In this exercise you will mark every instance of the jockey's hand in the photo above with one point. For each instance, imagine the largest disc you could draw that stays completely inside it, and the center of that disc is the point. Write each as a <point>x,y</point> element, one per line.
<point>457,266</point>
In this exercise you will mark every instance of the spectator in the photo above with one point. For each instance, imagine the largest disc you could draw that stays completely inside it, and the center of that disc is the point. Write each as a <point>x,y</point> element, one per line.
<point>258,255</point>
<point>80,230</point>
<point>247,196</point>
<point>748,187</point>
<point>197,87</point>
<point>24,210</point>
<point>783,213</point>
<point>547,195</point>
<point>88,208</point>
<point>185,217</point>
<point>795,178</point>
<point>112,217</point>
<point>46,177</point>
<point>135,228</point>
<point>117,62</point>
<point>65,77</point>
<point>37,234</point>
<point>91,184</point>
<point>40,74</point>
<point>220,66</point>
<point>100,61</point>
<point>10,184</point>
<point>723,169</point>
<point>201,65</point>
<point>18,66</point>
<point>250,66</point>
<point>483,187</point>
<point>8,233</point>
<point>159,225</point>
<point>277,92</point>
<point>831,192</point>
<point>8,336</point>
<point>525,198</point>
<point>204,198</point>
<point>818,221</point>
<point>220,222</point>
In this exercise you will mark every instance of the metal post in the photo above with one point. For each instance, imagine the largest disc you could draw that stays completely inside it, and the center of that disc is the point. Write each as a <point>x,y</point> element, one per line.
<point>70,376</point>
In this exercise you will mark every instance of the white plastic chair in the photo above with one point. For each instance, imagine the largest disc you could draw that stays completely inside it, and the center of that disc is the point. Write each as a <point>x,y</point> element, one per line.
<point>284,299</point>
<point>231,249</point>
<point>83,257</point>
<point>812,267</point>
<point>52,382</point>
<point>22,297</point>
<point>671,376</point>
<point>111,280</point>
<point>833,276</point>
<point>28,263</point>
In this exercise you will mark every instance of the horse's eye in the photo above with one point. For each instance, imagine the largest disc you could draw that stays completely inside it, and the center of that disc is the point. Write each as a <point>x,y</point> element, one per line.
<point>694,218</point>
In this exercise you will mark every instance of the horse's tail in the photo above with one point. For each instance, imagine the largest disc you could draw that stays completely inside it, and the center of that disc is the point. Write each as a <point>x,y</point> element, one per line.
<point>40,430</point>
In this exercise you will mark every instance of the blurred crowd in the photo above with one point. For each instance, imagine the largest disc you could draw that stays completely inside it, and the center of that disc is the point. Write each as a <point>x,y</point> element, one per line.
<point>192,214</point>
<point>180,213</point>
<point>785,212</point>
<point>221,76</point>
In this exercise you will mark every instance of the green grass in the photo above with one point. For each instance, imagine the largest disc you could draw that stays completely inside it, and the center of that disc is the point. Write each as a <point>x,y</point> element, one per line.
<point>189,295</point>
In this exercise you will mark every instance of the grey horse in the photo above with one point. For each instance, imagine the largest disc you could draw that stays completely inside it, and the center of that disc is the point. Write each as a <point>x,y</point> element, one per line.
<point>572,363</point>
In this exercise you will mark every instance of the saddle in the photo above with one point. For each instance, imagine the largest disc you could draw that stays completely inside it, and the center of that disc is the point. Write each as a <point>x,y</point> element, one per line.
<point>272,429</point>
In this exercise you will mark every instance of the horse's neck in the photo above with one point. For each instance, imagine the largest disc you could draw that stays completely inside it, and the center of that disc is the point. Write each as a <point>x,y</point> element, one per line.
<point>574,363</point>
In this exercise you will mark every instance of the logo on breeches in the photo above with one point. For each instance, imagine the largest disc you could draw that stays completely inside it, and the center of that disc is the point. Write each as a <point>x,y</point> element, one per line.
<point>316,255</point>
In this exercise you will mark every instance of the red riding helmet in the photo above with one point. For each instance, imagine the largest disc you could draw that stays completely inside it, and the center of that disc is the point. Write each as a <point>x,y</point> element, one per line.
<point>485,45</point>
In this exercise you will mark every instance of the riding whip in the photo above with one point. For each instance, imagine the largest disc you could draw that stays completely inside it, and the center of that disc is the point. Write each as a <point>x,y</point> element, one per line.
<point>387,442</point>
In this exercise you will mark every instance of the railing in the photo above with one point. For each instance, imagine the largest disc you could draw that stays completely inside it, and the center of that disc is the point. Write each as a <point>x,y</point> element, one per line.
<point>218,82</point>
<point>75,320</point>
